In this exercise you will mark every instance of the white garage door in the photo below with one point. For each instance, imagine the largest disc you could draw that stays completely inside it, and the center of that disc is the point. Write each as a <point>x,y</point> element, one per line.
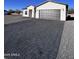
<point>53,14</point>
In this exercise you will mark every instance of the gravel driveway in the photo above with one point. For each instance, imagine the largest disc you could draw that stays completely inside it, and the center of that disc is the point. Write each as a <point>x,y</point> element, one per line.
<point>27,38</point>
<point>33,39</point>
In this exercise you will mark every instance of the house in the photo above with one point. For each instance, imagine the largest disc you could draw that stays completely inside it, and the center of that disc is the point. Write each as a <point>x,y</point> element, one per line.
<point>47,10</point>
<point>29,12</point>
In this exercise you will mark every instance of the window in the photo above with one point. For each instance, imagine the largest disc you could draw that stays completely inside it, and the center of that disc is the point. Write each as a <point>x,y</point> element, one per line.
<point>25,12</point>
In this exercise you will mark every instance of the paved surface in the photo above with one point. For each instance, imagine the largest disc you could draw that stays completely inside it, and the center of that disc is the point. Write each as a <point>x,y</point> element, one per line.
<point>8,19</point>
<point>66,50</point>
<point>33,39</point>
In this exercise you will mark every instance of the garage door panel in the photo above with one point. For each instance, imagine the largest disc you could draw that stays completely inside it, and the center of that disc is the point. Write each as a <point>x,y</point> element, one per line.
<point>50,14</point>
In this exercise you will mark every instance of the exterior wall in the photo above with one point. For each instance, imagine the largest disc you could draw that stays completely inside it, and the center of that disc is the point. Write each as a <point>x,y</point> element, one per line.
<point>51,5</point>
<point>29,8</point>
<point>63,13</point>
<point>37,13</point>
<point>24,15</point>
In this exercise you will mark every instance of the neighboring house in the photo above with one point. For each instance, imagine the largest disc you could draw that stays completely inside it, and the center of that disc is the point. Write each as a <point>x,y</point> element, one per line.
<point>21,13</point>
<point>47,10</point>
<point>15,14</point>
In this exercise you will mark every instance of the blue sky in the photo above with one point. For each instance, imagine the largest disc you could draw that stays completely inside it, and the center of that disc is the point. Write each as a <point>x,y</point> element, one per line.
<point>19,4</point>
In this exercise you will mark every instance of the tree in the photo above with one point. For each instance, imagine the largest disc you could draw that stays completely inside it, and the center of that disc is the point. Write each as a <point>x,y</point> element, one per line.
<point>17,11</point>
<point>10,11</point>
<point>70,11</point>
<point>5,10</point>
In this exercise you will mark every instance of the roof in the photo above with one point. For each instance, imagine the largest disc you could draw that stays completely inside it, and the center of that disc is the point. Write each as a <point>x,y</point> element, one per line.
<point>51,1</point>
<point>46,2</point>
<point>27,7</point>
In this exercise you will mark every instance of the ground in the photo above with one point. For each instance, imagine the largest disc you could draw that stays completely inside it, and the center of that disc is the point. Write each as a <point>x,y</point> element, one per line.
<point>32,38</point>
<point>66,48</point>
<point>14,19</point>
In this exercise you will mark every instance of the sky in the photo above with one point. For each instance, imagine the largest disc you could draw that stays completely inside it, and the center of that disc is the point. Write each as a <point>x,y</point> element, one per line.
<point>20,4</point>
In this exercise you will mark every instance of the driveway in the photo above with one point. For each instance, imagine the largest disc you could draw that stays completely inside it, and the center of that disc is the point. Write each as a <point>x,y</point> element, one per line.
<point>33,39</point>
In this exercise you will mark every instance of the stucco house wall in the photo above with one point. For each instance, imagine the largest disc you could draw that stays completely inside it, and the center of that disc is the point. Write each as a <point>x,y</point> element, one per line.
<point>29,8</point>
<point>51,5</point>
<point>47,6</point>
